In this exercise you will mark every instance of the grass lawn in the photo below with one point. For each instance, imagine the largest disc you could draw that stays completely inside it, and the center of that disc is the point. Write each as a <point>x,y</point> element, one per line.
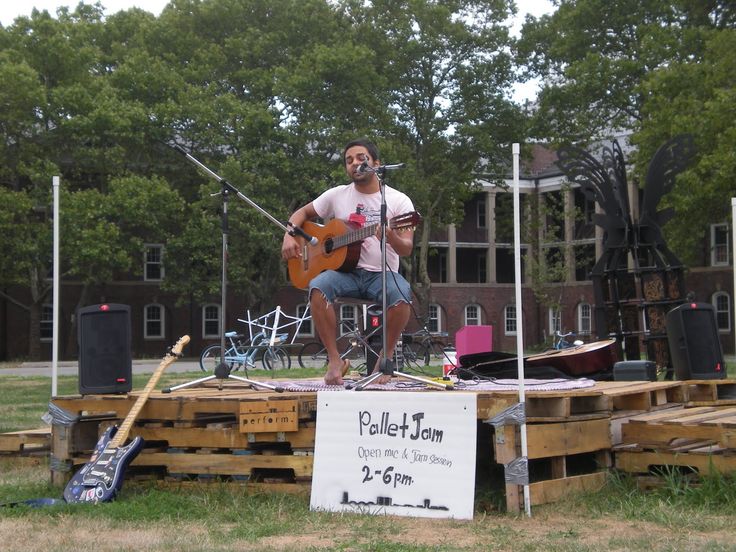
<point>677,515</point>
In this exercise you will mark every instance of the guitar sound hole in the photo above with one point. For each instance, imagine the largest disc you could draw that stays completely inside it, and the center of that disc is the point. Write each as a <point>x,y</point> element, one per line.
<point>329,244</point>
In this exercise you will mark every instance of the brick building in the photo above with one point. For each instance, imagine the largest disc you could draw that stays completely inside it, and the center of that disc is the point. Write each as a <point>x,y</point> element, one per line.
<point>471,268</point>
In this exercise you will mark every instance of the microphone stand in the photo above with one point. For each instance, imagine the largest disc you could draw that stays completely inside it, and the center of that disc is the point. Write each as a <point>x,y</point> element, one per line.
<point>386,364</point>
<point>222,371</point>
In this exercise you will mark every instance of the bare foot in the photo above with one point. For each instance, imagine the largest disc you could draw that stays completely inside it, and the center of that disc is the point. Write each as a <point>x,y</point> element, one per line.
<point>384,378</point>
<point>335,372</point>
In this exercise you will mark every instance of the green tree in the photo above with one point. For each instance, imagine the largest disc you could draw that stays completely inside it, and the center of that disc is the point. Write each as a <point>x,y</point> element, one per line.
<point>447,72</point>
<point>698,98</point>
<point>651,67</point>
<point>25,257</point>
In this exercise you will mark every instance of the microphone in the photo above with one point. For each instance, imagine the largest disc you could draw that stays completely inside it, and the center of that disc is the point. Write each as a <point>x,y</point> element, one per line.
<point>296,230</point>
<point>364,168</point>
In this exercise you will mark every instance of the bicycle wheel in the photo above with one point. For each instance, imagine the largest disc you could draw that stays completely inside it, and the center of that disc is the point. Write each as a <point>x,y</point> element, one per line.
<point>313,354</point>
<point>413,354</point>
<point>276,358</point>
<point>210,358</point>
<point>434,353</point>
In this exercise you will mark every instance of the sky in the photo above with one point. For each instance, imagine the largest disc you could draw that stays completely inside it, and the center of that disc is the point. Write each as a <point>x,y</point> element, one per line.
<point>10,9</point>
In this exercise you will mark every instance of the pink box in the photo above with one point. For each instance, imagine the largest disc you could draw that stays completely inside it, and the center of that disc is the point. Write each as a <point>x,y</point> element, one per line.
<point>473,339</point>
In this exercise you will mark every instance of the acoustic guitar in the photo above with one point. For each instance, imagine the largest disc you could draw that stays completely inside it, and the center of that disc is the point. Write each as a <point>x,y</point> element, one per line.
<point>338,246</point>
<point>100,479</point>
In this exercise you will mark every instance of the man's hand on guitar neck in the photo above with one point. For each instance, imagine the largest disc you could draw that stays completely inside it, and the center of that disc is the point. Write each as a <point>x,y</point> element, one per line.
<point>401,240</point>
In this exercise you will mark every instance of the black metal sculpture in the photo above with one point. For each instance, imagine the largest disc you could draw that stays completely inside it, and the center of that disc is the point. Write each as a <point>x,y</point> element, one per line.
<point>637,277</point>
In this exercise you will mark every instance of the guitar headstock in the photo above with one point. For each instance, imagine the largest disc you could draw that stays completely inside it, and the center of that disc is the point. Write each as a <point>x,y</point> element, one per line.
<point>407,221</point>
<point>179,346</point>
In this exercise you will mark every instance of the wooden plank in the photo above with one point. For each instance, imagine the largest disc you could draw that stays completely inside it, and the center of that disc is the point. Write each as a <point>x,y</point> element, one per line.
<point>656,434</point>
<point>26,441</point>
<point>558,408</point>
<point>640,462</point>
<point>225,464</point>
<point>545,492</point>
<point>562,439</point>
<point>666,414</point>
<point>711,391</point>
<point>489,406</point>
<point>269,416</point>
<point>691,419</point>
<point>641,400</point>
<point>226,438</point>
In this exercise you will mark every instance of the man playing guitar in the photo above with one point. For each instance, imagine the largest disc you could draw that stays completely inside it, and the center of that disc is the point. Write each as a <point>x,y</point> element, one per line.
<point>359,203</point>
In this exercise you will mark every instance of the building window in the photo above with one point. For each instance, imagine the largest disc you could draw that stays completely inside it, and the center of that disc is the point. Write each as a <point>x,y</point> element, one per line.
<point>153,322</point>
<point>348,315</point>
<point>153,267</point>
<point>305,328</point>
<point>555,320</point>
<point>443,266</point>
<point>722,303</point>
<point>211,321</point>
<point>482,268</point>
<point>584,319</point>
<point>719,250</point>
<point>46,325</point>
<point>434,321</point>
<point>481,214</point>
<point>509,320</point>
<point>472,315</point>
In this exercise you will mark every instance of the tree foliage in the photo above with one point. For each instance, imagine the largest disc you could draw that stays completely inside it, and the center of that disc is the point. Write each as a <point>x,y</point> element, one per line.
<point>265,94</point>
<point>655,68</point>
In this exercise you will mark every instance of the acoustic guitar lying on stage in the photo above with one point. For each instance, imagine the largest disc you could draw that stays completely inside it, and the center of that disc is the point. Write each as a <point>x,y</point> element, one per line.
<point>338,246</point>
<point>101,478</point>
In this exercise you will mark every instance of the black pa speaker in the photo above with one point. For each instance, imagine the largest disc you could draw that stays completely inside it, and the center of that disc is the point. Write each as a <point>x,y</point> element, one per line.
<point>695,349</point>
<point>103,337</point>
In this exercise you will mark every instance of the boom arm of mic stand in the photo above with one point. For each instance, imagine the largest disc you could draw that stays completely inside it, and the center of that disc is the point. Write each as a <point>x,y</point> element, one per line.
<point>229,187</point>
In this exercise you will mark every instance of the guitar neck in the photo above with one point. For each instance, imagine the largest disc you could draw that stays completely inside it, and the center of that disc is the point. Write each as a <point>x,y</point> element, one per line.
<point>122,434</point>
<point>354,236</point>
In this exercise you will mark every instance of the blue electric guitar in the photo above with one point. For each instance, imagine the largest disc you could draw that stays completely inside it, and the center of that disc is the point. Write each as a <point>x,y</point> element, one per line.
<point>101,478</point>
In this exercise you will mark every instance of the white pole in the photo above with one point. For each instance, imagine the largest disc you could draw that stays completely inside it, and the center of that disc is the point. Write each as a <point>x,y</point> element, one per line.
<point>733,257</point>
<point>55,307</point>
<point>519,315</point>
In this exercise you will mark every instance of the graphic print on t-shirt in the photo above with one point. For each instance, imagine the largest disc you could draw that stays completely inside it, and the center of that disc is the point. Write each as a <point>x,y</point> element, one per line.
<point>357,216</point>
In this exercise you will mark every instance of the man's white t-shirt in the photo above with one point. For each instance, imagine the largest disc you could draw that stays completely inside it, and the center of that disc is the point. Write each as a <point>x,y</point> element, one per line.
<point>347,203</point>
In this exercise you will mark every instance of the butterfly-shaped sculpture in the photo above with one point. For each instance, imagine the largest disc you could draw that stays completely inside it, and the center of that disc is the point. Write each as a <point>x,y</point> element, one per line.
<point>605,183</point>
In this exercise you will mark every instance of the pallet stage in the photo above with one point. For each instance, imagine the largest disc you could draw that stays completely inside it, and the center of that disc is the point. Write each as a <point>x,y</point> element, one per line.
<point>244,435</point>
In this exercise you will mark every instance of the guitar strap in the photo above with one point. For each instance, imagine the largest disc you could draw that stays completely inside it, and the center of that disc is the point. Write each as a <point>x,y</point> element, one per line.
<point>35,503</point>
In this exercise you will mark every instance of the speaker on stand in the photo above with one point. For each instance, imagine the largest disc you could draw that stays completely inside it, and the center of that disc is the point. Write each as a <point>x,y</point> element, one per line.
<point>695,348</point>
<point>103,338</point>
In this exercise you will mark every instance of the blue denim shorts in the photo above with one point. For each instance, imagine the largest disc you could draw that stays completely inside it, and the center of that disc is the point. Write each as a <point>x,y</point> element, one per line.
<point>362,284</point>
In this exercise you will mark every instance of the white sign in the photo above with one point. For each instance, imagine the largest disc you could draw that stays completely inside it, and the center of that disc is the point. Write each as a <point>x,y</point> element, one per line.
<point>399,453</point>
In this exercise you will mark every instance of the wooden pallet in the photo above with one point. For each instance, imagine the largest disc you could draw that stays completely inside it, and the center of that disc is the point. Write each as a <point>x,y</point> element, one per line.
<point>241,434</point>
<point>702,438</point>
<point>562,458</point>
<point>642,396</point>
<point>710,392</point>
<point>716,424</point>
<point>26,442</point>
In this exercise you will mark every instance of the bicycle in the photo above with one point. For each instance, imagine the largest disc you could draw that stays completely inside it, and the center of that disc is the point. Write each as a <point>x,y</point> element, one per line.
<point>422,347</point>
<point>561,341</point>
<point>314,352</point>
<point>242,354</point>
